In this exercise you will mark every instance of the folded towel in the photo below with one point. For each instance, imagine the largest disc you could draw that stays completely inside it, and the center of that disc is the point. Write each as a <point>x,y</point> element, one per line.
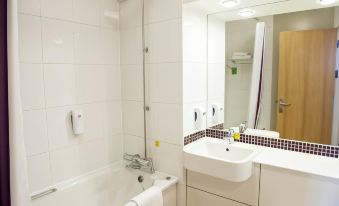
<point>242,54</point>
<point>150,197</point>
<point>237,57</point>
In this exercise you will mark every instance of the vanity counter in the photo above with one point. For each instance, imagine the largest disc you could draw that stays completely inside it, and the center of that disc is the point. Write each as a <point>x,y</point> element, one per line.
<point>301,162</point>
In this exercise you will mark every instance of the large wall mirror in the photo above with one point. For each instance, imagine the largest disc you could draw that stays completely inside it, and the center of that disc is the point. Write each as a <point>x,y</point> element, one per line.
<point>275,70</point>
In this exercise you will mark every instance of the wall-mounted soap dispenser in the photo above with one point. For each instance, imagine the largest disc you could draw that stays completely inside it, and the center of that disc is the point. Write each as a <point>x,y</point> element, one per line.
<point>199,114</point>
<point>216,109</point>
<point>78,122</point>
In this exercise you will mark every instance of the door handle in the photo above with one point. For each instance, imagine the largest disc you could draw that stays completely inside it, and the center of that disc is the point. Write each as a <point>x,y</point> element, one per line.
<point>283,104</point>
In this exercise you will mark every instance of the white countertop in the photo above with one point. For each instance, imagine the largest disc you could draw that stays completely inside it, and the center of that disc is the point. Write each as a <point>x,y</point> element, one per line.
<point>301,162</point>
<point>297,161</point>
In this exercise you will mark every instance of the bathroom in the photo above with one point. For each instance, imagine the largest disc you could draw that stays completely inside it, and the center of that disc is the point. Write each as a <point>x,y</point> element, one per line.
<point>169,103</point>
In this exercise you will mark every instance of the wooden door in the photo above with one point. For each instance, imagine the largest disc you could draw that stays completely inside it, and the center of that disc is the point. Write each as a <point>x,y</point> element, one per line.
<point>306,82</point>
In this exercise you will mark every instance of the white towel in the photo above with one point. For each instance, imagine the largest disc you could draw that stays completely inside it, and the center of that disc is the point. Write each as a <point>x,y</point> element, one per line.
<point>150,197</point>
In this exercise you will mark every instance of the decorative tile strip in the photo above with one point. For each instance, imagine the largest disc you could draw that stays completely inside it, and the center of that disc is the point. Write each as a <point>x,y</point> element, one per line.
<point>285,144</point>
<point>195,136</point>
<point>292,145</point>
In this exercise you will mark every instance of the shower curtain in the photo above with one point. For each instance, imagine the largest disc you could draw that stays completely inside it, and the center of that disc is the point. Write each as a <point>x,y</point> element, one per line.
<point>19,189</point>
<point>257,77</point>
<point>5,198</point>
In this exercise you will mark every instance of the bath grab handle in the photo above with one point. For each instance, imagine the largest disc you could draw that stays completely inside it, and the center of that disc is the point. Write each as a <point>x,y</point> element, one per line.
<point>44,193</point>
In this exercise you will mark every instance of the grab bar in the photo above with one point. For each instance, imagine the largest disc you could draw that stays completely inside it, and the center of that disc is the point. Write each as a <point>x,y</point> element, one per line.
<point>44,193</point>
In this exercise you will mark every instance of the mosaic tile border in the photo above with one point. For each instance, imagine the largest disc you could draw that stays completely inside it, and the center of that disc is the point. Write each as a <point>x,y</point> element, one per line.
<point>195,136</point>
<point>291,145</point>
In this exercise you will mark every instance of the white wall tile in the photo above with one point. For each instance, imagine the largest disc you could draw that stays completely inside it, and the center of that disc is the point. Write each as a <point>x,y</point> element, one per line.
<point>165,41</point>
<point>29,7</point>
<point>57,41</point>
<point>90,80</point>
<point>195,81</point>
<point>131,46</point>
<point>194,35</point>
<point>30,40</point>
<point>114,148</point>
<point>65,163</point>
<point>60,9</point>
<point>87,46</point>
<point>133,118</point>
<point>165,122</point>
<point>112,118</point>
<point>93,155</point>
<point>35,132</point>
<point>134,145</point>
<point>171,164</point>
<point>130,14</point>
<point>109,48</point>
<point>39,175</point>
<point>132,82</point>
<point>160,10</point>
<point>59,84</point>
<point>165,83</point>
<point>87,11</point>
<point>97,83</point>
<point>94,118</point>
<point>110,14</point>
<point>112,82</point>
<point>32,86</point>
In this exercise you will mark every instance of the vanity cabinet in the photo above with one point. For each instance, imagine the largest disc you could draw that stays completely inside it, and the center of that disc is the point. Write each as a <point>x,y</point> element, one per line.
<point>222,192</point>
<point>281,187</point>
<point>197,197</point>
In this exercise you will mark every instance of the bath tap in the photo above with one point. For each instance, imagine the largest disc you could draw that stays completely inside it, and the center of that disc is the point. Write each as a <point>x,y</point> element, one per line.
<point>137,162</point>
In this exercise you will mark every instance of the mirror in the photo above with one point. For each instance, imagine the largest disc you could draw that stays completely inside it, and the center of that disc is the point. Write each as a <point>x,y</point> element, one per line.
<point>275,70</point>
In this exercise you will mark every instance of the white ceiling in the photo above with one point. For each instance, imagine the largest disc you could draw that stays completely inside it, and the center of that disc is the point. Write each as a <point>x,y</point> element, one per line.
<point>262,7</point>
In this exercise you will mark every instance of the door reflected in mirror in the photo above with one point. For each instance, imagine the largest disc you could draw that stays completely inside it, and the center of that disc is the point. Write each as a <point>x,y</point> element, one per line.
<point>275,73</point>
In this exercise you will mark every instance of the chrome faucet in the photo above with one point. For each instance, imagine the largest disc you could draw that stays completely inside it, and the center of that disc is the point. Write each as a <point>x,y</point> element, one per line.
<point>230,136</point>
<point>242,127</point>
<point>139,163</point>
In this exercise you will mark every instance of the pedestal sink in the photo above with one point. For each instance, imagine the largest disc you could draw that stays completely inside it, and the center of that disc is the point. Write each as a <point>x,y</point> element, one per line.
<point>215,157</point>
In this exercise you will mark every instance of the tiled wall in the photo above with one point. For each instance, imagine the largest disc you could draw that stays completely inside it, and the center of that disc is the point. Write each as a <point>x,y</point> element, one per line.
<point>69,55</point>
<point>165,80</point>
<point>194,66</point>
<point>163,35</point>
<point>216,68</point>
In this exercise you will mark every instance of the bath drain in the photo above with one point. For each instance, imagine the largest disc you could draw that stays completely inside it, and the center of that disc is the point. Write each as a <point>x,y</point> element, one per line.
<point>168,178</point>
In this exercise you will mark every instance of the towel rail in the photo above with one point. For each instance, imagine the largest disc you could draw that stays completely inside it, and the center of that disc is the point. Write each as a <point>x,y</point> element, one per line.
<point>44,193</point>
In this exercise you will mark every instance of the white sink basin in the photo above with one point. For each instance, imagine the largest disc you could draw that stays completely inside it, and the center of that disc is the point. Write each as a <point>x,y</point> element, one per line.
<point>215,157</point>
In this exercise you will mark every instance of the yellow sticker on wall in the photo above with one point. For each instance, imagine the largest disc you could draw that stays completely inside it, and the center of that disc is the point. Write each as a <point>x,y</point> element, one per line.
<point>236,136</point>
<point>157,143</point>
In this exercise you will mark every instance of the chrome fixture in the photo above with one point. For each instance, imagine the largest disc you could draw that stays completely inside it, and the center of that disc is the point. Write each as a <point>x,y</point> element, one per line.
<point>230,136</point>
<point>242,127</point>
<point>138,163</point>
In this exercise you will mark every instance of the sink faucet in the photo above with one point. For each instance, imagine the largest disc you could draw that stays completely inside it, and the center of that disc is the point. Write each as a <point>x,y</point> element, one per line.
<point>137,162</point>
<point>229,138</point>
<point>242,127</point>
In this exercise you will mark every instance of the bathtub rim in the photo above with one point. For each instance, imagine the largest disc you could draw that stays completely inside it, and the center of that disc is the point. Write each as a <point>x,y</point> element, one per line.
<point>116,166</point>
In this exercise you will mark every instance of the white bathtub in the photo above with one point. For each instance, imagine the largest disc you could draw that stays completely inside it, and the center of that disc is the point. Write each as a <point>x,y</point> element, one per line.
<point>111,186</point>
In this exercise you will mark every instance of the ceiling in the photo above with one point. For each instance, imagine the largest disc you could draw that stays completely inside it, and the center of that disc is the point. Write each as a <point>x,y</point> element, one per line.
<point>261,7</point>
